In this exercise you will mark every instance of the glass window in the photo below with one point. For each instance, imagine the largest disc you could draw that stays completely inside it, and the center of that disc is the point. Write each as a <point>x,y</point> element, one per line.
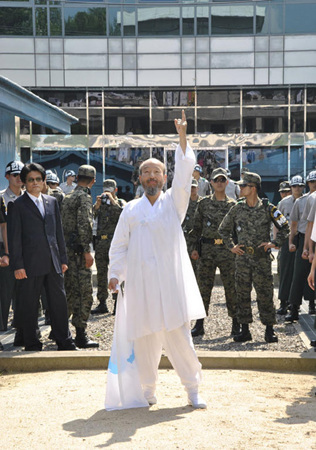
<point>24,126</point>
<point>85,21</point>
<point>41,21</point>
<point>16,21</point>
<point>297,119</point>
<point>126,98</point>
<point>311,95</point>
<point>74,99</point>
<point>115,21</point>
<point>96,160</point>
<point>95,98</point>
<point>297,96</point>
<point>218,120</point>
<point>55,21</point>
<point>232,19</point>
<point>297,161</point>
<point>81,126</point>
<point>163,120</point>
<point>276,19</point>
<point>269,19</point>
<point>123,121</point>
<point>95,121</point>
<point>188,20</point>
<point>311,119</point>
<point>129,21</point>
<point>159,21</point>
<point>310,159</point>
<point>173,98</point>
<point>265,96</point>
<point>300,18</point>
<point>218,98</point>
<point>262,19</point>
<point>265,120</point>
<point>202,19</point>
<point>40,129</point>
<point>234,162</point>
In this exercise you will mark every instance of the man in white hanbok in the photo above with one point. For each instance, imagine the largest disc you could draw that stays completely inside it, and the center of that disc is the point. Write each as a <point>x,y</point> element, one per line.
<point>161,296</point>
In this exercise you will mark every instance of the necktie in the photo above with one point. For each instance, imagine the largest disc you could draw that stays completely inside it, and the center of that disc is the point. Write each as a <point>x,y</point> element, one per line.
<point>40,207</point>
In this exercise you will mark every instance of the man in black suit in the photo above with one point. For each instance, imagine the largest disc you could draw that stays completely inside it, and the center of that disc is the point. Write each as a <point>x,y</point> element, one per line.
<point>38,258</point>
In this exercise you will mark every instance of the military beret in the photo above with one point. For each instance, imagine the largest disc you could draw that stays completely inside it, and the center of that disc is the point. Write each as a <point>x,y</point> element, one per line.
<point>87,171</point>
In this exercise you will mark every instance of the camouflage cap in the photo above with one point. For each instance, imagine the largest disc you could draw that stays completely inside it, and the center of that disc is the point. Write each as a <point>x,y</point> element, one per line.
<point>109,185</point>
<point>284,186</point>
<point>219,172</point>
<point>14,167</point>
<point>87,171</point>
<point>194,183</point>
<point>250,177</point>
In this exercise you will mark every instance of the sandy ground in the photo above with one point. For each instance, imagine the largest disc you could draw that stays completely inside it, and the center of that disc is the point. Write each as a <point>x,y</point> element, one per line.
<point>246,410</point>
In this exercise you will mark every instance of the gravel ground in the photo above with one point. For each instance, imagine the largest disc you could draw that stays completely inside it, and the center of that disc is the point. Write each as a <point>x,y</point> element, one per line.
<point>217,330</point>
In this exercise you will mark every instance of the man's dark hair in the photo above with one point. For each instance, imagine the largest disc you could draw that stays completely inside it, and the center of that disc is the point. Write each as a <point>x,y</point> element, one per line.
<point>32,167</point>
<point>84,179</point>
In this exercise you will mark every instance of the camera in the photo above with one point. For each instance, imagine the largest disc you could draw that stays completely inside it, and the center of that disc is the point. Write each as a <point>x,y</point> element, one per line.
<point>105,199</point>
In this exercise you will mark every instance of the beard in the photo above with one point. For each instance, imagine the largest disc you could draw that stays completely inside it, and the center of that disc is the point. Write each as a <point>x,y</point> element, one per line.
<point>151,191</point>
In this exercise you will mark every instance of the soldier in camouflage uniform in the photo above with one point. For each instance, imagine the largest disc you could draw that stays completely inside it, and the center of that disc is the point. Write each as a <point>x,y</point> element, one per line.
<point>251,219</point>
<point>77,223</point>
<point>207,247</point>
<point>187,224</point>
<point>107,211</point>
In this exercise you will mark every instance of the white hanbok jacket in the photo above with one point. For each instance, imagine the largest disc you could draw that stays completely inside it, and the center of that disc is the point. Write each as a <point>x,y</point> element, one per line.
<point>149,253</point>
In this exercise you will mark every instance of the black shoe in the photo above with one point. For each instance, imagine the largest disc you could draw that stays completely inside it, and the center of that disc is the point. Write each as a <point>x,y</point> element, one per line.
<point>82,340</point>
<point>33,348</point>
<point>282,311</point>
<point>235,327</point>
<point>311,308</point>
<point>293,314</point>
<point>270,335</point>
<point>244,336</point>
<point>71,346</point>
<point>198,329</point>
<point>1,346</point>
<point>313,343</point>
<point>100,309</point>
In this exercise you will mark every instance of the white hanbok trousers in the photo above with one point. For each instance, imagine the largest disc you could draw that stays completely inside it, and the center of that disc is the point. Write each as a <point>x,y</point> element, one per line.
<point>179,348</point>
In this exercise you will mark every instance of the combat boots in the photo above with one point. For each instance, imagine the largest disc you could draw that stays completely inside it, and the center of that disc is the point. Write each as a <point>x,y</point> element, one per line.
<point>270,335</point>
<point>235,327</point>
<point>293,314</point>
<point>282,311</point>
<point>245,334</point>
<point>82,340</point>
<point>198,329</point>
<point>311,308</point>
<point>101,308</point>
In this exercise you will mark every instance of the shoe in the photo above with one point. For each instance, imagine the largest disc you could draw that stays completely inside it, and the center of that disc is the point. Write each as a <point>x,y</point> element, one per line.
<point>82,340</point>
<point>245,334</point>
<point>69,347</point>
<point>270,335</point>
<point>282,311</point>
<point>198,329</point>
<point>1,346</point>
<point>196,401</point>
<point>313,343</point>
<point>100,309</point>
<point>33,348</point>
<point>311,308</point>
<point>235,327</point>
<point>152,400</point>
<point>293,314</point>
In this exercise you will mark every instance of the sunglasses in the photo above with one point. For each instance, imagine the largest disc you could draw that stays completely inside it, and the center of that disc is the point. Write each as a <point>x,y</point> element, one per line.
<point>15,175</point>
<point>37,179</point>
<point>220,180</point>
<point>245,185</point>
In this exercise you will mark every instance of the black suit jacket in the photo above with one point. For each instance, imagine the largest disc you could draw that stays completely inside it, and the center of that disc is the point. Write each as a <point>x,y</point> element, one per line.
<point>35,242</point>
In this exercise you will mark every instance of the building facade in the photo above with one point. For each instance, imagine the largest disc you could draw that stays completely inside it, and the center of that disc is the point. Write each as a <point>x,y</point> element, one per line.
<point>244,71</point>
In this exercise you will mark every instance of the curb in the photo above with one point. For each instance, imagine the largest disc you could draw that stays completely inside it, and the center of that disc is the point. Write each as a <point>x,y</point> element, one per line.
<point>81,360</point>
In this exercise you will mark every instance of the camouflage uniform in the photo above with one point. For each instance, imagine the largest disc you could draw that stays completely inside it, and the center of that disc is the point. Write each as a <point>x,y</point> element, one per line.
<point>187,226</point>
<point>206,239</point>
<point>252,226</point>
<point>108,216</point>
<point>77,224</point>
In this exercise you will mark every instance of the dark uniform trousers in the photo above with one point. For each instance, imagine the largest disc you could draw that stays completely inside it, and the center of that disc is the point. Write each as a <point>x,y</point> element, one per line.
<point>302,267</point>
<point>28,293</point>
<point>251,270</point>
<point>102,248</point>
<point>287,259</point>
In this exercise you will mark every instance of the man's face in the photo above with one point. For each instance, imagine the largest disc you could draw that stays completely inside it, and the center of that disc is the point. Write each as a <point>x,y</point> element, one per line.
<point>312,186</point>
<point>34,183</point>
<point>71,179</point>
<point>246,189</point>
<point>194,192</point>
<point>285,193</point>
<point>52,185</point>
<point>152,178</point>
<point>14,180</point>
<point>219,184</point>
<point>196,174</point>
<point>297,189</point>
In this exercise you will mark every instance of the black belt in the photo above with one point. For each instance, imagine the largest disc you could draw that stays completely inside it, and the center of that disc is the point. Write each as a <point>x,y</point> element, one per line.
<point>212,241</point>
<point>104,237</point>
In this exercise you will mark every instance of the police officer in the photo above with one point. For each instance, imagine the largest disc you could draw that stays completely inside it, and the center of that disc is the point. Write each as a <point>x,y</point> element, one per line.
<point>232,189</point>
<point>77,223</point>
<point>209,249</point>
<point>203,184</point>
<point>187,224</point>
<point>299,285</point>
<point>107,210</point>
<point>69,185</point>
<point>54,190</point>
<point>286,258</point>
<point>251,218</point>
